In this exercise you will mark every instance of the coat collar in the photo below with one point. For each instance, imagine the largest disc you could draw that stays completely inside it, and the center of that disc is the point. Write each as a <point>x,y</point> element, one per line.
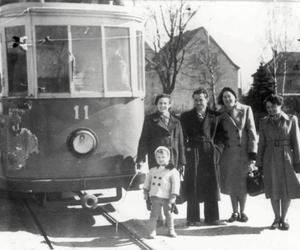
<point>208,119</point>
<point>236,116</point>
<point>172,122</point>
<point>282,116</point>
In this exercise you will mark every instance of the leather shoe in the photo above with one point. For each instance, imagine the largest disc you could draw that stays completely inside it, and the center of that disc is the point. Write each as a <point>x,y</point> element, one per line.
<point>284,226</point>
<point>234,217</point>
<point>243,218</point>
<point>275,224</point>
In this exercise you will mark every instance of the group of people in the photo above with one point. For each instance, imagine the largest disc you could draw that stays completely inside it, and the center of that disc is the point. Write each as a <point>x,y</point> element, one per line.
<point>215,151</point>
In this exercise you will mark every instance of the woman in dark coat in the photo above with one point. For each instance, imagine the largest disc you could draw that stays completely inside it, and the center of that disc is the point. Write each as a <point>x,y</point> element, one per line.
<point>161,129</point>
<point>279,157</point>
<point>201,177</point>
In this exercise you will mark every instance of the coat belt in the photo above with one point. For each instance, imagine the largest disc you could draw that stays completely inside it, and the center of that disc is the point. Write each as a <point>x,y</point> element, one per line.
<point>278,143</point>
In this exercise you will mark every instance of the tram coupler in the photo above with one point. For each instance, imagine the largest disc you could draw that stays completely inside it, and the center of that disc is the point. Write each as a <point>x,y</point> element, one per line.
<point>88,201</point>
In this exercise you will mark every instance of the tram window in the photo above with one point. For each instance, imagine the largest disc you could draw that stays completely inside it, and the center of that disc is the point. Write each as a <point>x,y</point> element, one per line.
<point>86,48</point>
<point>117,59</point>
<point>140,59</point>
<point>53,59</point>
<point>16,49</point>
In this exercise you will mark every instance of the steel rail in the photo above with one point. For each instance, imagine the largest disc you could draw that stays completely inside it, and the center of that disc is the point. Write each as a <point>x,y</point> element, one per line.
<point>133,236</point>
<point>38,224</point>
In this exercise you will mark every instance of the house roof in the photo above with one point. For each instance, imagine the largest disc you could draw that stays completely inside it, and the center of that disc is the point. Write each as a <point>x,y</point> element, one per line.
<point>292,60</point>
<point>188,36</point>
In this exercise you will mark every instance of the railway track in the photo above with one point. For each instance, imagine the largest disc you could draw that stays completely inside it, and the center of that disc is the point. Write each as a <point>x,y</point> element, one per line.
<point>133,236</point>
<point>37,223</point>
<point>119,225</point>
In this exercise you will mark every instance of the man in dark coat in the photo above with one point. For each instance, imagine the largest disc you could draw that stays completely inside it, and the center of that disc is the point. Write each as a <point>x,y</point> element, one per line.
<point>161,129</point>
<point>201,176</point>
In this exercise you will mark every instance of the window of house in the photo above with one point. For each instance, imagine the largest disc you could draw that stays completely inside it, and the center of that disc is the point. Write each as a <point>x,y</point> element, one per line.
<point>288,86</point>
<point>53,59</point>
<point>86,64</point>
<point>117,59</point>
<point>16,59</point>
<point>214,58</point>
<point>296,67</point>
<point>140,59</point>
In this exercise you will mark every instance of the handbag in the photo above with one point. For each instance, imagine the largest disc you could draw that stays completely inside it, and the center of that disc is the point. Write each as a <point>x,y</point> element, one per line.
<point>255,184</point>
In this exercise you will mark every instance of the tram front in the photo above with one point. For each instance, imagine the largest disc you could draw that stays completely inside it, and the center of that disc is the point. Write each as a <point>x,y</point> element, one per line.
<point>72,99</point>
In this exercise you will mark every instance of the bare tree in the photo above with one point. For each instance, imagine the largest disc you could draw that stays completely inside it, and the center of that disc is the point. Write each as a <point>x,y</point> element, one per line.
<point>279,40</point>
<point>170,24</point>
<point>204,66</point>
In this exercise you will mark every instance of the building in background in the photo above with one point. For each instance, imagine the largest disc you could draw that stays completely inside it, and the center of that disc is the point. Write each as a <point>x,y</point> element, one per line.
<point>286,72</point>
<point>205,64</point>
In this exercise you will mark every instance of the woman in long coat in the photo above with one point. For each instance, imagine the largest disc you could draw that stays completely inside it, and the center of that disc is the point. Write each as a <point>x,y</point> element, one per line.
<point>239,151</point>
<point>279,156</point>
<point>201,177</point>
<point>161,129</point>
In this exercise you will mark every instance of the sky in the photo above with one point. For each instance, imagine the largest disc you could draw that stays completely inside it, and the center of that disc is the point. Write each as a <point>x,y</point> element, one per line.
<point>246,30</point>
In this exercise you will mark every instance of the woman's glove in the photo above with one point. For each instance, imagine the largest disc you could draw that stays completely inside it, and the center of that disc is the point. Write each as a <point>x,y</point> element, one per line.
<point>251,166</point>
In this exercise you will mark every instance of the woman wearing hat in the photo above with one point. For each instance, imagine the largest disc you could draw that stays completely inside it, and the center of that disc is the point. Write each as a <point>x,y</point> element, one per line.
<point>239,150</point>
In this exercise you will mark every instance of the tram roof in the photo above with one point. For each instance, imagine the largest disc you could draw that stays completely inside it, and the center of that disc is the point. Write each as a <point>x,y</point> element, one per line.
<point>58,7</point>
<point>114,2</point>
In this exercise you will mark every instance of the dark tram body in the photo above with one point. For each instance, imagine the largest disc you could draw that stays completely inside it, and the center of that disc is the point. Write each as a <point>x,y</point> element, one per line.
<point>72,80</point>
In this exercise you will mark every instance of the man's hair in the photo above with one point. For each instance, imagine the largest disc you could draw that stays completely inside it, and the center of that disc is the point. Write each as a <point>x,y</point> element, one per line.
<point>200,91</point>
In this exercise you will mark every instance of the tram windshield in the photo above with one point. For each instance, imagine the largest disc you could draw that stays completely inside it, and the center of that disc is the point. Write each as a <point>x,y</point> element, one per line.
<point>74,60</point>
<point>117,59</point>
<point>53,56</point>
<point>87,59</point>
<point>16,59</point>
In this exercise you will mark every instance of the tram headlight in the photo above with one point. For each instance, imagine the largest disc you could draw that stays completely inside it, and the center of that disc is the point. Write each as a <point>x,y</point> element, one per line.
<point>82,141</point>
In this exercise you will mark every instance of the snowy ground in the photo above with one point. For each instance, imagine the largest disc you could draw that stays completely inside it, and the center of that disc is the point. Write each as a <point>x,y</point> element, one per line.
<point>76,229</point>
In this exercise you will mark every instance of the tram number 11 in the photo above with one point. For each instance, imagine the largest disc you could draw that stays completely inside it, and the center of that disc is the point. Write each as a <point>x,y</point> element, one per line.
<point>85,109</point>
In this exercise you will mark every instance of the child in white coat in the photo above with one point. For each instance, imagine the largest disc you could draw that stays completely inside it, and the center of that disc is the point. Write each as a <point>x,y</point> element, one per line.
<point>162,186</point>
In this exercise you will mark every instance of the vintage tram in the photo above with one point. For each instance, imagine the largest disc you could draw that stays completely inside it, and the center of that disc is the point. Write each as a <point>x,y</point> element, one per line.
<point>72,78</point>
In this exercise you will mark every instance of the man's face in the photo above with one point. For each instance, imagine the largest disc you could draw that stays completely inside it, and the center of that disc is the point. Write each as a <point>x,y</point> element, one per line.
<point>200,101</point>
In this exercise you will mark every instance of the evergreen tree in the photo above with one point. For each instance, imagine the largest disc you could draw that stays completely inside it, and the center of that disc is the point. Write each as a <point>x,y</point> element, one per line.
<point>263,86</point>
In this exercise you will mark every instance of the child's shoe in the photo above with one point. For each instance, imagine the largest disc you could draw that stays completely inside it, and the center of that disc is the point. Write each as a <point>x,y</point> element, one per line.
<point>152,235</point>
<point>172,233</point>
